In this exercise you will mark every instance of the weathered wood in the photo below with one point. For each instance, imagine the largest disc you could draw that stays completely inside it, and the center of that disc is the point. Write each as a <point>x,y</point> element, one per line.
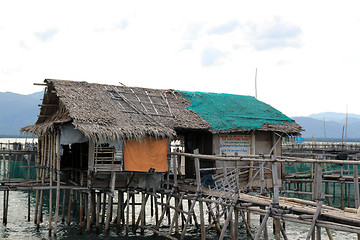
<point>98,209</point>
<point>141,217</point>
<point>110,202</point>
<point>247,226</point>
<point>120,208</point>
<point>263,224</point>
<point>127,212</point>
<point>51,165</point>
<point>63,206</point>
<point>37,194</point>
<point>198,182</point>
<point>103,208</point>
<point>57,164</point>
<point>275,196</point>
<point>174,221</point>
<point>315,218</point>
<point>71,195</point>
<point>356,186</point>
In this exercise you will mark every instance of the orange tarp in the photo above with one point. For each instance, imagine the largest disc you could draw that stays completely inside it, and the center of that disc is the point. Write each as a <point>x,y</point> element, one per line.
<point>149,153</point>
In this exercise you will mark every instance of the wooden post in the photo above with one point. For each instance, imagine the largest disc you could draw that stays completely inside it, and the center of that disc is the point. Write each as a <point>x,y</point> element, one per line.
<point>156,206</point>
<point>127,212</point>
<point>69,206</point>
<point>198,182</point>
<point>42,173</point>
<point>263,224</point>
<point>191,210</point>
<point>28,176</point>
<point>119,211</point>
<point>252,152</point>
<point>315,217</point>
<point>356,188</point>
<point>356,185</point>
<point>341,187</point>
<point>58,158</point>
<point>263,192</point>
<point>175,217</point>
<point>37,179</point>
<point>63,206</point>
<point>276,195</point>
<point>133,212</point>
<point>51,169</point>
<point>98,208</point>
<point>108,215</point>
<point>228,218</point>
<point>103,208</point>
<point>142,213</point>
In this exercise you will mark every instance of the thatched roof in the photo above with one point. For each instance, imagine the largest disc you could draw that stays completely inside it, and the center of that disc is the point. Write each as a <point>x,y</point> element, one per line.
<point>112,112</point>
<point>109,112</point>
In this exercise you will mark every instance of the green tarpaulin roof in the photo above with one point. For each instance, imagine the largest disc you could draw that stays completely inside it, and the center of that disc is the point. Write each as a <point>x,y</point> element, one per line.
<point>228,111</point>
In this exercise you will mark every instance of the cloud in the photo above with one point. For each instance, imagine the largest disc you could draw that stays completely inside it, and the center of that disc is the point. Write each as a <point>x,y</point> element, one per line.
<point>193,30</point>
<point>11,70</point>
<point>123,24</point>
<point>212,57</point>
<point>46,35</point>
<point>224,28</point>
<point>275,34</point>
<point>24,45</point>
<point>187,46</point>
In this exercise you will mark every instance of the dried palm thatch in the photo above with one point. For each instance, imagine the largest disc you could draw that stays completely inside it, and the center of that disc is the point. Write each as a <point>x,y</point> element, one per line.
<point>113,112</point>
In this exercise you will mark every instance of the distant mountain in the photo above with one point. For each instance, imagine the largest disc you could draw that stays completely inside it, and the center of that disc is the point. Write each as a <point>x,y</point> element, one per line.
<point>17,111</point>
<point>334,124</point>
<point>336,117</point>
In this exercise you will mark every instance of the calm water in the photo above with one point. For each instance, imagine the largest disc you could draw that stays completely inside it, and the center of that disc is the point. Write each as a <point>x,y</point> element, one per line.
<point>19,228</point>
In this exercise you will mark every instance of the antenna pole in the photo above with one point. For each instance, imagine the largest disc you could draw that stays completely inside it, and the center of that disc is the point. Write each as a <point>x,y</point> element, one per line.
<point>256,83</point>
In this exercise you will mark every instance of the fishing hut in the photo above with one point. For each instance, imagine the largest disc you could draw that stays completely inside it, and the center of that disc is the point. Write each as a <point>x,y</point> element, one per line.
<point>97,141</point>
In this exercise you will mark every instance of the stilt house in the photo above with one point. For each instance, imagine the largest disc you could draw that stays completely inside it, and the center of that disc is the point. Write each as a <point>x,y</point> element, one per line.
<point>87,129</point>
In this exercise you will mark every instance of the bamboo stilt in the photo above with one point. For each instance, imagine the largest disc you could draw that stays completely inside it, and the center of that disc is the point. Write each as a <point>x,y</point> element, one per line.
<point>127,212</point>
<point>63,206</point>
<point>69,206</point>
<point>110,202</point>
<point>98,209</point>
<point>58,158</point>
<point>119,211</point>
<point>103,208</point>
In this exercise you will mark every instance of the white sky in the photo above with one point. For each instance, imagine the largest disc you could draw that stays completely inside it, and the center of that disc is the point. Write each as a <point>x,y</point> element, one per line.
<point>307,52</point>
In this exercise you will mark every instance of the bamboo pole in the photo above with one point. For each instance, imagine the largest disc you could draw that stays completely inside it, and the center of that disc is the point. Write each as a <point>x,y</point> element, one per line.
<point>127,212</point>
<point>356,189</point>
<point>42,173</point>
<point>110,202</point>
<point>103,208</point>
<point>69,206</point>
<point>97,215</point>
<point>133,211</point>
<point>252,152</point>
<point>38,157</point>
<point>58,158</point>
<point>51,159</point>
<point>119,211</point>
<point>198,182</point>
<point>315,217</point>
<point>63,206</point>
<point>276,196</point>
